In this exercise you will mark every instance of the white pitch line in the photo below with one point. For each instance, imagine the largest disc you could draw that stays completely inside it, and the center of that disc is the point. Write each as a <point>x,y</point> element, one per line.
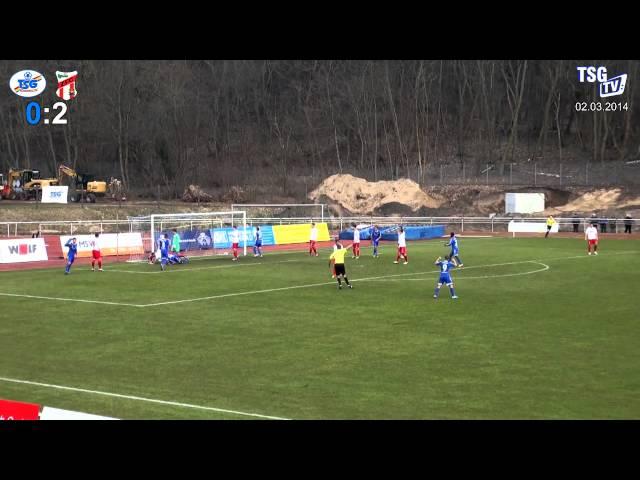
<point>141,399</point>
<point>545,267</point>
<point>235,294</point>
<point>59,299</point>
<point>237,265</point>
<point>253,292</point>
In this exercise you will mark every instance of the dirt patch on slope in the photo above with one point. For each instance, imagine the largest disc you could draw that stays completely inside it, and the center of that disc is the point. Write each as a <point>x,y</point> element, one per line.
<point>357,195</point>
<point>600,200</point>
<point>348,195</point>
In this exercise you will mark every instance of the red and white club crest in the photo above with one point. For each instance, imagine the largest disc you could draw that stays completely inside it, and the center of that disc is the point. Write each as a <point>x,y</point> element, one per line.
<point>67,85</point>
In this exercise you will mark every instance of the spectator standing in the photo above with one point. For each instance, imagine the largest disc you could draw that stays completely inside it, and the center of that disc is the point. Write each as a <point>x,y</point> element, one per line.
<point>627,223</point>
<point>603,224</point>
<point>575,221</point>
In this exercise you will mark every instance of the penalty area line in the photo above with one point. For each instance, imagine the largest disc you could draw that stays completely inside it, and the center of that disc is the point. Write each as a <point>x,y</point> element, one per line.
<point>59,299</point>
<point>187,269</point>
<point>252,292</point>
<point>458,277</point>
<point>141,399</point>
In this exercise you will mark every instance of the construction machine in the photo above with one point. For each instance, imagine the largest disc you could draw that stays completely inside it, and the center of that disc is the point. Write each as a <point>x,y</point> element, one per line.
<point>25,185</point>
<point>82,186</point>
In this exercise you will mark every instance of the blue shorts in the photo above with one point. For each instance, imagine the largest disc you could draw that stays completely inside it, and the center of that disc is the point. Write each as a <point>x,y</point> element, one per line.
<point>258,243</point>
<point>454,251</point>
<point>164,254</point>
<point>376,242</point>
<point>445,278</point>
<point>71,258</point>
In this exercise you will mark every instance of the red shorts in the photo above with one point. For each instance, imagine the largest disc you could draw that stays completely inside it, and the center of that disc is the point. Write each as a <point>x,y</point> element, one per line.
<point>312,243</point>
<point>356,244</point>
<point>593,242</point>
<point>402,250</point>
<point>96,254</point>
<point>234,246</point>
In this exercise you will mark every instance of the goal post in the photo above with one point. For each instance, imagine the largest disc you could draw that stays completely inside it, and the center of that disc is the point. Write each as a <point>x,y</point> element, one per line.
<point>201,234</point>
<point>304,211</point>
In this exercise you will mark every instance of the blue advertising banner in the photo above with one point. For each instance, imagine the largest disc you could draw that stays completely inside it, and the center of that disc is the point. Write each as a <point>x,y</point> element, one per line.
<point>195,240</point>
<point>390,233</point>
<point>189,239</point>
<point>222,236</point>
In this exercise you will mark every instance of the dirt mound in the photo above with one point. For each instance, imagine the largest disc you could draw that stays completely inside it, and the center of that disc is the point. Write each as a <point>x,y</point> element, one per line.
<point>600,200</point>
<point>357,195</point>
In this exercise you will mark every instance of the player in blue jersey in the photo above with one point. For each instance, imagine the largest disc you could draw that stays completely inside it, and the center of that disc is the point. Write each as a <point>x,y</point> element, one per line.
<point>376,235</point>
<point>72,244</point>
<point>177,258</point>
<point>445,277</point>
<point>163,245</point>
<point>257,245</point>
<point>453,243</point>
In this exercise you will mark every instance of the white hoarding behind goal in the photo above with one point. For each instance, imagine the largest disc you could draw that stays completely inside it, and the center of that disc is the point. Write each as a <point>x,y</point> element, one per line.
<point>524,202</point>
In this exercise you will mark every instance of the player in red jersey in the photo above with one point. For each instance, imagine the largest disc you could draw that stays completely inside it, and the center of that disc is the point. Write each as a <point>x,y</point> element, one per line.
<point>402,246</point>
<point>96,256</point>
<point>313,238</point>
<point>591,236</point>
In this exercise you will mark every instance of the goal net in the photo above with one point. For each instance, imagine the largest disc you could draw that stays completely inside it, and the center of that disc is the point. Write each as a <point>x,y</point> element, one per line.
<point>200,234</point>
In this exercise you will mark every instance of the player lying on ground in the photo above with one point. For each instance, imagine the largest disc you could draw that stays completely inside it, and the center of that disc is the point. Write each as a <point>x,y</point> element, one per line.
<point>177,258</point>
<point>337,258</point>
<point>445,277</point>
<point>172,258</point>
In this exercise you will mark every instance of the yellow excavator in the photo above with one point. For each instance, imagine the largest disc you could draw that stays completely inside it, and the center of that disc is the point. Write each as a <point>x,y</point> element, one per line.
<point>83,187</point>
<point>25,185</point>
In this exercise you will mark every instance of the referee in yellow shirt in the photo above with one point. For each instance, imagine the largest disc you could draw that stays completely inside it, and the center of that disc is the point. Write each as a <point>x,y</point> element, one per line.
<point>338,260</point>
<point>550,222</point>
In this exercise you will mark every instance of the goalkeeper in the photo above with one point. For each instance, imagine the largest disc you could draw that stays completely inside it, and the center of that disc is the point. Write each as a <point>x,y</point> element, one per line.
<point>175,242</point>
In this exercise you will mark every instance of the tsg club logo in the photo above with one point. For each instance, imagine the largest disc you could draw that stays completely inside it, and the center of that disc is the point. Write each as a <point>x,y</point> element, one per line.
<point>204,240</point>
<point>609,87</point>
<point>67,85</point>
<point>27,83</point>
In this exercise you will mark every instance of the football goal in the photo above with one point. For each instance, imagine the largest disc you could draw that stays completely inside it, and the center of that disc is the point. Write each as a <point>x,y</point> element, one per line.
<point>200,234</point>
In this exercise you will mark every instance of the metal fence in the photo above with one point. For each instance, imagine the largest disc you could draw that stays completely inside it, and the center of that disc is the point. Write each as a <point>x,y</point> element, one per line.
<point>531,173</point>
<point>458,224</point>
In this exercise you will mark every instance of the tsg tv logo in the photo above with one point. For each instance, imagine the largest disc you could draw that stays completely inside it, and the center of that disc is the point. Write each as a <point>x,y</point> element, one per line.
<point>27,83</point>
<point>609,87</point>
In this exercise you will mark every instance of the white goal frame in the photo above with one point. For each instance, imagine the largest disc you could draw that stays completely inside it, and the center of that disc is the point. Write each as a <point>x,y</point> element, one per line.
<point>240,214</point>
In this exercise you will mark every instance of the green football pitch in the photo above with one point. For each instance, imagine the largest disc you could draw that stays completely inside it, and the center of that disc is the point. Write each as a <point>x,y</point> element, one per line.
<point>540,331</point>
